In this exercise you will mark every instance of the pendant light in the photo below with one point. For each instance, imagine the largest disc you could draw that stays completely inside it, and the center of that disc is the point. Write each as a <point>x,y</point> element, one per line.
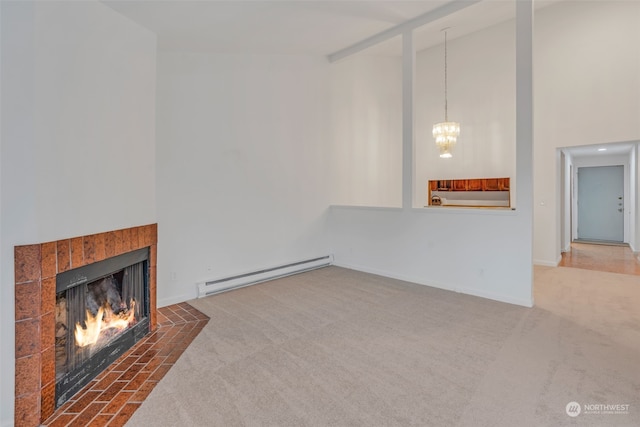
<point>446,133</point>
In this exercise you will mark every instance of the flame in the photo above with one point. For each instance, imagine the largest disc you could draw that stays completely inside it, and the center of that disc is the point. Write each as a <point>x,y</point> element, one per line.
<point>104,320</point>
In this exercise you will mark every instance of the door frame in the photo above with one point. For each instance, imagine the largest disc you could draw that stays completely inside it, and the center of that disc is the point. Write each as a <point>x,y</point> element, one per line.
<point>580,162</point>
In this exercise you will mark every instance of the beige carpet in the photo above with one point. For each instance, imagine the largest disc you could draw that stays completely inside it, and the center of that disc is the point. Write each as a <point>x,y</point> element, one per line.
<point>335,347</point>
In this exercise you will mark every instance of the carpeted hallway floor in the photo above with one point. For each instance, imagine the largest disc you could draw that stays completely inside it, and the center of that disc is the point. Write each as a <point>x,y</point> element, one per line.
<point>336,347</point>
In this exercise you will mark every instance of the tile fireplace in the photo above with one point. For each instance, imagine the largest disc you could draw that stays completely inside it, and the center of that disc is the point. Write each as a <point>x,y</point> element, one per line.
<point>40,298</point>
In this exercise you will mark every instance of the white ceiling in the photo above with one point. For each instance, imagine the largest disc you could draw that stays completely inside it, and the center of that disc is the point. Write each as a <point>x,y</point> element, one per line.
<point>297,26</point>
<point>316,27</point>
<point>274,27</point>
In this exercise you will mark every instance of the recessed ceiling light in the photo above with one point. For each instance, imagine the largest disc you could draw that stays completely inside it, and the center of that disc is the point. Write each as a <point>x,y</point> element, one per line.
<point>602,149</point>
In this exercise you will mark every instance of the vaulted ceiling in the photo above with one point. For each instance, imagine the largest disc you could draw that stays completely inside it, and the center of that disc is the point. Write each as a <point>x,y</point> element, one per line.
<point>298,26</point>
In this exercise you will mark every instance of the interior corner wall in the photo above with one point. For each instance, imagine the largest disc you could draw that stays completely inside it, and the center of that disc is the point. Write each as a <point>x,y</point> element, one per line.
<point>586,74</point>
<point>78,135</point>
<point>8,383</point>
<point>634,164</point>
<point>242,168</point>
<point>366,126</point>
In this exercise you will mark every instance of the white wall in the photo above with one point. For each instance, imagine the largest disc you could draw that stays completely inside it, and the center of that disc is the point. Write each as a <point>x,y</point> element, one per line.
<point>78,135</point>
<point>242,165</point>
<point>587,82</point>
<point>481,95</point>
<point>366,139</point>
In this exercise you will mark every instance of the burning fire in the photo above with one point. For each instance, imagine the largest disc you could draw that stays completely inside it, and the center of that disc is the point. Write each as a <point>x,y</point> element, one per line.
<point>104,320</point>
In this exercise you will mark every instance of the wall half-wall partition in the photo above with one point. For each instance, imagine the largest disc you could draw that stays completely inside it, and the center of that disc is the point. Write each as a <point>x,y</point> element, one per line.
<point>484,252</point>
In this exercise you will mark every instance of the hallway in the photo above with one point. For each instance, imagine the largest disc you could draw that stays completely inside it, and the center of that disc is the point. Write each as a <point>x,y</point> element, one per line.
<point>613,259</point>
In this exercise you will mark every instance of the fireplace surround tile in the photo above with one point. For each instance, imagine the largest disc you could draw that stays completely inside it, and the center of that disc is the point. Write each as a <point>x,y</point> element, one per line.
<point>29,296</point>
<point>135,236</point>
<point>63,249</point>
<point>126,240</point>
<point>35,292</point>
<point>77,252</point>
<point>47,287</point>
<point>27,263</point>
<point>28,368</point>
<point>25,413</point>
<point>152,295</point>
<point>89,249</point>
<point>48,372</point>
<point>110,244</point>
<point>27,338</point>
<point>48,399</point>
<point>119,246</point>
<point>47,331</point>
<point>100,251</point>
<point>49,259</point>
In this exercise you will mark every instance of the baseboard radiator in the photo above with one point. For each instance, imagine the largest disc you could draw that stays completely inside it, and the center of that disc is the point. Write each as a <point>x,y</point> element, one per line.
<point>212,287</point>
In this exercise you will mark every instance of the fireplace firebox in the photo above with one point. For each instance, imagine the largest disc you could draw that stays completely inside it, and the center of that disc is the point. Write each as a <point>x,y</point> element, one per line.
<point>102,310</point>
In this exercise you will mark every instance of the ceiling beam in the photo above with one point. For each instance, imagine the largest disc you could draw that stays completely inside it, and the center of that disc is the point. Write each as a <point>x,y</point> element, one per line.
<point>418,21</point>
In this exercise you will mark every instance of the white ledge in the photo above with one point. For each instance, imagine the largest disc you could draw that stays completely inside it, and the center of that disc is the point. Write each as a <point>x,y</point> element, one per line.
<point>468,210</point>
<point>367,208</point>
<point>456,210</point>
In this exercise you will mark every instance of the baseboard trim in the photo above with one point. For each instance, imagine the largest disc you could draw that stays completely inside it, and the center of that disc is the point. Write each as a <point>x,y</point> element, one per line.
<point>224,284</point>
<point>463,290</point>
<point>546,263</point>
<point>601,242</point>
<point>164,302</point>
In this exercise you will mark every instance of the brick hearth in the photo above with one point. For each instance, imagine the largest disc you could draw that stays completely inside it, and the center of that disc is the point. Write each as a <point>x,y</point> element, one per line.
<point>113,396</point>
<point>36,267</point>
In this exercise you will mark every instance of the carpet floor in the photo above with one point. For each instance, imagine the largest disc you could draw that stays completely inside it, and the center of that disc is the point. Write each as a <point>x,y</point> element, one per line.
<point>336,347</point>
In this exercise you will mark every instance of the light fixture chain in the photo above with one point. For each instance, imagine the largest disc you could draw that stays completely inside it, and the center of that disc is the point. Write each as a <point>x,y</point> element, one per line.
<point>446,133</point>
<point>446,112</point>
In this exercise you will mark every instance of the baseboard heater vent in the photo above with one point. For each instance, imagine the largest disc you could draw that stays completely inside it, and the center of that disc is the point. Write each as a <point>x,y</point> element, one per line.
<point>220,285</point>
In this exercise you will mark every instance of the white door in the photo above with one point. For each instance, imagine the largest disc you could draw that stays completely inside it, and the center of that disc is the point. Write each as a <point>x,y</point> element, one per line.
<point>600,203</point>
